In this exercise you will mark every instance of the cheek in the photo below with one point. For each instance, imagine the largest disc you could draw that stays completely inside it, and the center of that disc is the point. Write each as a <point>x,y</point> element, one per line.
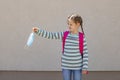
<point>73,26</point>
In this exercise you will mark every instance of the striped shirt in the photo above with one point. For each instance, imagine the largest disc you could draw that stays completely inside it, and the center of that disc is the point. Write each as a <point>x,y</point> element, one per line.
<point>71,58</point>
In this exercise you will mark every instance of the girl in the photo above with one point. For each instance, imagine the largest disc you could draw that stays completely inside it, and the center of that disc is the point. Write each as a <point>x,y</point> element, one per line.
<point>73,63</point>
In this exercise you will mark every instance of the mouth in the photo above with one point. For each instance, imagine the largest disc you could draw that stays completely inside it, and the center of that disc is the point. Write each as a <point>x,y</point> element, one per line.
<point>70,28</point>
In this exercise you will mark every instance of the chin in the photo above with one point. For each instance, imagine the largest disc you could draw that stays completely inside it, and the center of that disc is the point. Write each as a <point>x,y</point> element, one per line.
<point>70,29</point>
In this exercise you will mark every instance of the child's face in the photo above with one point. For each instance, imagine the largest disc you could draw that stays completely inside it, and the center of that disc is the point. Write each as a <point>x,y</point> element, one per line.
<point>73,26</point>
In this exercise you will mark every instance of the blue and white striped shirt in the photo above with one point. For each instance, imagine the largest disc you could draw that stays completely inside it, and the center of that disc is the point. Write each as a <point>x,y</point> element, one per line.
<point>71,58</point>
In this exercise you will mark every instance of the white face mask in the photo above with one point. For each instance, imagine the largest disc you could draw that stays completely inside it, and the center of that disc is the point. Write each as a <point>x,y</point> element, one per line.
<point>30,39</point>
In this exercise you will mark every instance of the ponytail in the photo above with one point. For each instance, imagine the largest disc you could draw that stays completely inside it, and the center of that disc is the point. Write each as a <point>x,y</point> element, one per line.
<point>82,29</point>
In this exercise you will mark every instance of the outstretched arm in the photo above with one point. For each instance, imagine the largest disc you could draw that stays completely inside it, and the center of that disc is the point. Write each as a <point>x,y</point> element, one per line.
<point>48,35</point>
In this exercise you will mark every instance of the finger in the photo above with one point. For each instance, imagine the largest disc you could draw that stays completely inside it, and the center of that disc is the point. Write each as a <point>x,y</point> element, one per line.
<point>35,29</point>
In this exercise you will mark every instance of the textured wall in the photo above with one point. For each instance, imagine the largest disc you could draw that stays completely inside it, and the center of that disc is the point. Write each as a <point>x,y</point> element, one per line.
<point>17,17</point>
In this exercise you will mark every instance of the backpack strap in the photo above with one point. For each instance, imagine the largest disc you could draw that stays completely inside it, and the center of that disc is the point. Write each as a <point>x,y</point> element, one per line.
<point>81,43</point>
<point>65,34</point>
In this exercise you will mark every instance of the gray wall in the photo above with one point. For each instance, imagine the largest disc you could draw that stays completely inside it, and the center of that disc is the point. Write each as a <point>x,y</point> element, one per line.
<point>17,17</point>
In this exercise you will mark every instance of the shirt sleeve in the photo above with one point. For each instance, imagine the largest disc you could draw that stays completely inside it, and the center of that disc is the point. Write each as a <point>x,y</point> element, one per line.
<point>85,55</point>
<point>49,35</point>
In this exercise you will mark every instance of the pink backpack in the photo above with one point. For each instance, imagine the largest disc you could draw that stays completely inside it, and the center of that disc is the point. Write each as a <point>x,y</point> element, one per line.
<point>80,41</point>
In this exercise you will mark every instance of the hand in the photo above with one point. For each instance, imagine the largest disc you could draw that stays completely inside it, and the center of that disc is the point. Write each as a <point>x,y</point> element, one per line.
<point>84,72</point>
<point>35,29</point>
